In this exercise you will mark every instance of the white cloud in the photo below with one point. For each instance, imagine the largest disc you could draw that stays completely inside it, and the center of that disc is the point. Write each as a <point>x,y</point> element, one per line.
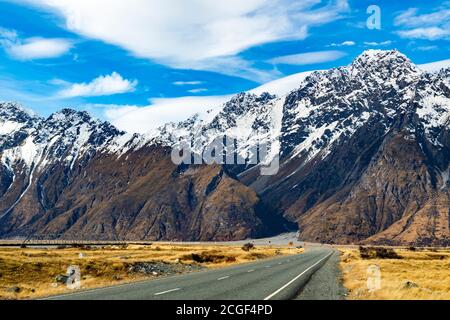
<point>309,58</point>
<point>199,90</point>
<point>378,44</point>
<point>231,66</point>
<point>32,48</point>
<point>101,86</point>
<point>429,26</point>
<point>201,34</point>
<point>411,18</point>
<point>8,34</point>
<point>343,44</point>
<point>429,33</point>
<point>283,85</point>
<point>187,83</point>
<point>161,111</point>
<point>39,48</point>
<point>427,48</point>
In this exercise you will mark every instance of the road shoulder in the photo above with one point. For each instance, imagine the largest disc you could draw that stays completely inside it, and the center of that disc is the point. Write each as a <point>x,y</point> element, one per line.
<point>326,283</point>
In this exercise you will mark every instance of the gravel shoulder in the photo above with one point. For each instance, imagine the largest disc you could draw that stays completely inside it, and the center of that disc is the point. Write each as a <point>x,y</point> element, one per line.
<point>326,283</point>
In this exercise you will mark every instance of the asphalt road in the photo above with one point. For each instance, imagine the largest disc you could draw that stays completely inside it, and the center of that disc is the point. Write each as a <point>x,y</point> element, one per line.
<point>274,279</point>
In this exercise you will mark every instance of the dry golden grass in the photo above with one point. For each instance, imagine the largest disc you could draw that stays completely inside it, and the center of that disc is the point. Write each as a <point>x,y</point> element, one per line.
<point>427,271</point>
<point>34,270</point>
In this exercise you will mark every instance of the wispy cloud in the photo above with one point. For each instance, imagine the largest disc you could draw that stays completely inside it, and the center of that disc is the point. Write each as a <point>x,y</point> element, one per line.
<point>343,44</point>
<point>38,95</point>
<point>378,44</point>
<point>428,26</point>
<point>309,58</point>
<point>199,90</point>
<point>199,35</point>
<point>427,48</point>
<point>160,111</point>
<point>412,18</point>
<point>101,86</point>
<point>32,48</point>
<point>187,83</point>
<point>430,33</point>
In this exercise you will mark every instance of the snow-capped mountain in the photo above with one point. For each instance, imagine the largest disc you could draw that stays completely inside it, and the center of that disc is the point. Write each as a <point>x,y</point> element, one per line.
<point>364,151</point>
<point>326,106</point>
<point>74,176</point>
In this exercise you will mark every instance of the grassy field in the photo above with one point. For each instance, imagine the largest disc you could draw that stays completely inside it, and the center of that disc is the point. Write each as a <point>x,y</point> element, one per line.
<point>406,274</point>
<point>31,273</point>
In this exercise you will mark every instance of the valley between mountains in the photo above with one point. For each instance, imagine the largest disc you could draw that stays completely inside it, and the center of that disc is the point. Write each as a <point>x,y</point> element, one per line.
<point>364,155</point>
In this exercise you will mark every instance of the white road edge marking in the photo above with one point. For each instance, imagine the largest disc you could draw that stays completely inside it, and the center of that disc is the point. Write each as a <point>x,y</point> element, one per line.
<point>297,277</point>
<point>168,291</point>
<point>223,278</point>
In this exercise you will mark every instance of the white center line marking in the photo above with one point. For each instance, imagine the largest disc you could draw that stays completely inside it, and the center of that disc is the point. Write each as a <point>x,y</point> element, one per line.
<point>279,263</point>
<point>223,278</point>
<point>250,271</point>
<point>268,266</point>
<point>297,277</point>
<point>164,292</point>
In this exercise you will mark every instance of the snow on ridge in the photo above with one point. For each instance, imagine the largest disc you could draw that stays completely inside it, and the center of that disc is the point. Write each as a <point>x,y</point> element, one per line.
<point>64,136</point>
<point>77,135</point>
<point>8,127</point>
<point>283,86</point>
<point>27,153</point>
<point>434,67</point>
<point>13,106</point>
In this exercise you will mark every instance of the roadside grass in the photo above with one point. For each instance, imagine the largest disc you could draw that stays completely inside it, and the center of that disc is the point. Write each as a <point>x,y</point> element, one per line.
<point>415,274</point>
<point>29,273</point>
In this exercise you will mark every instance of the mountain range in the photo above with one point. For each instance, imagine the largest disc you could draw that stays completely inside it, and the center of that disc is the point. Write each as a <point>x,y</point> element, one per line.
<point>363,152</point>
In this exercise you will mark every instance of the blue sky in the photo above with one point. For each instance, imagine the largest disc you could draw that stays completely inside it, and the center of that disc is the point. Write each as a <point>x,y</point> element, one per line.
<point>117,57</point>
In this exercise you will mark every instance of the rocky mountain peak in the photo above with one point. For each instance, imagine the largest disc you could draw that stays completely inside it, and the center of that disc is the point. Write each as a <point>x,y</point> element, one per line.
<point>373,56</point>
<point>13,111</point>
<point>71,117</point>
<point>382,65</point>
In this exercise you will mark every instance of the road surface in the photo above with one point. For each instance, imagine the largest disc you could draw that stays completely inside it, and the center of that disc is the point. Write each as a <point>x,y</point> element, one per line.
<point>274,279</point>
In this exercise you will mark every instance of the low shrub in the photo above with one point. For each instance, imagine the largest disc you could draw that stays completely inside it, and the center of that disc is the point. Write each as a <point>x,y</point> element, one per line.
<point>207,257</point>
<point>378,253</point>
<point>248,246</point>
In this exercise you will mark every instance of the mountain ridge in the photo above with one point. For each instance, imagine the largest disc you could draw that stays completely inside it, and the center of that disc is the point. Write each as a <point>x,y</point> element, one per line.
<point>340,137</point>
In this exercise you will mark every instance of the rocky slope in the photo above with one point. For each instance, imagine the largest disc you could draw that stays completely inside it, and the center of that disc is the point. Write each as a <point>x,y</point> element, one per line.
<point>363,150</point>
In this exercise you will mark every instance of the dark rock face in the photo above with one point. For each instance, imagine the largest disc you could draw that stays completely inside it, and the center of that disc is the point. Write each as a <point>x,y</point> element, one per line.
<point>364,157</point>
<point>138,196</point>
